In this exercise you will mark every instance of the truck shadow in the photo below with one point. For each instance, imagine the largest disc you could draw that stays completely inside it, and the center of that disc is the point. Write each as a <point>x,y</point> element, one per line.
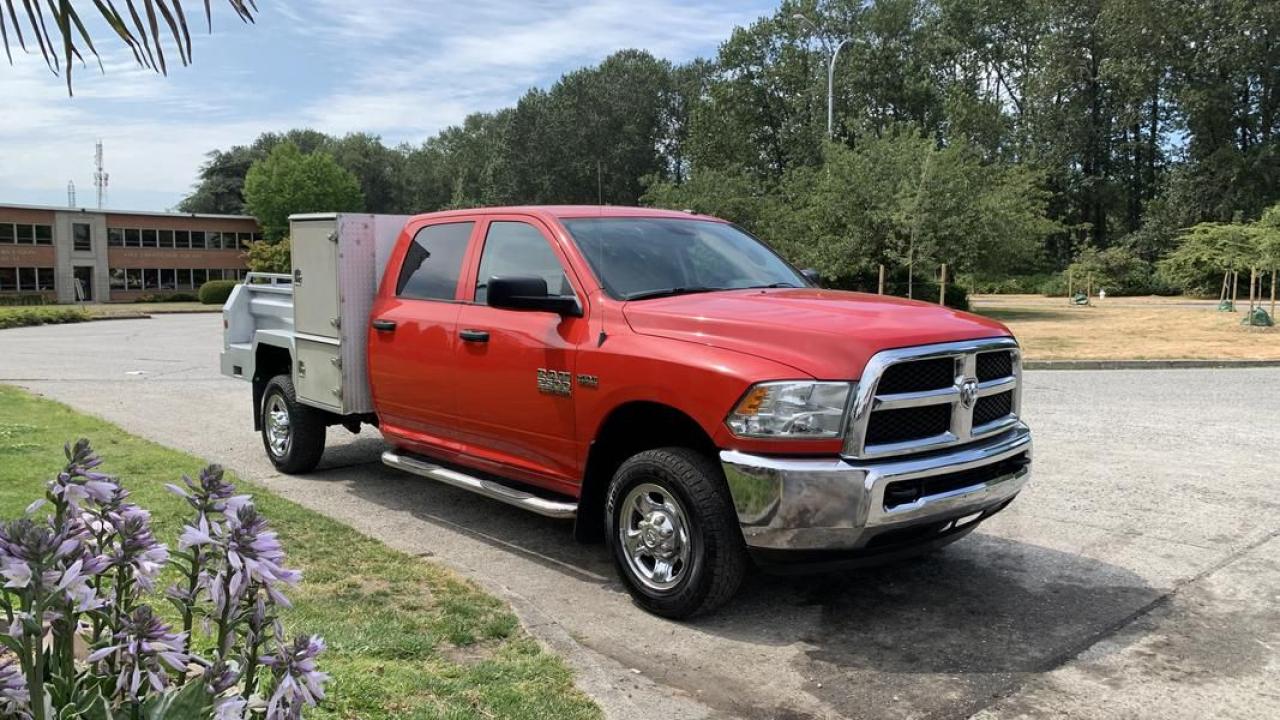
<point>987,605</point>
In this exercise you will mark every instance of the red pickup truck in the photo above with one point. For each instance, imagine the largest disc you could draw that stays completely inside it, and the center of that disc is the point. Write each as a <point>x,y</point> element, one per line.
<point>662,377</point>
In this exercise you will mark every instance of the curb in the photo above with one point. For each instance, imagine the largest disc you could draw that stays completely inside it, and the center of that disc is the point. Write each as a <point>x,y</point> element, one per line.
<point>1145,364</point>
<point>130,316</point>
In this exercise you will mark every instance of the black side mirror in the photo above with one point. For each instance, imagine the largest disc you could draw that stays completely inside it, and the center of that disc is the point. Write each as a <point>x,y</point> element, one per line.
<point>529,292</point>
<point>812,276</point>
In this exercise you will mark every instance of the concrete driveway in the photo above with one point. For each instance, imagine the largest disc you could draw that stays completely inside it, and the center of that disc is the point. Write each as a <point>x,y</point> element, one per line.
<point>1138,576</point>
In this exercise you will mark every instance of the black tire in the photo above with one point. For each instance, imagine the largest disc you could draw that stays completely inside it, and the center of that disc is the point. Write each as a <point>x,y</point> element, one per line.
<point>717,558</point>
<point>301,452</point>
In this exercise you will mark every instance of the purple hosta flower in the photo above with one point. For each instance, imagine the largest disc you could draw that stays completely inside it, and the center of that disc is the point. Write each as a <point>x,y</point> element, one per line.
<point>253,556</point>
<point>298,683</point>
<point>210,493</point>
<point>229,708</point>
<point>51,560</point>
<point>146,652</point>
<point>78,482</point>
<point>14,698</point>
<point>134,546</point>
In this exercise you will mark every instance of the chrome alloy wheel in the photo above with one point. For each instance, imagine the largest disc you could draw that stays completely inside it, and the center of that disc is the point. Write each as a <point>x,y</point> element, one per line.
<point>654,532</point>
<point>279,428</point>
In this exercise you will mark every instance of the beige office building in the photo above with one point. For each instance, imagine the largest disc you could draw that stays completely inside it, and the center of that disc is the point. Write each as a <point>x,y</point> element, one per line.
<point>81,254</point>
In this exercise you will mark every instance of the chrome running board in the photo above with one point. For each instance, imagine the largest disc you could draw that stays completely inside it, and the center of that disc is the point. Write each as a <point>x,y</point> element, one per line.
<point>488,488</point>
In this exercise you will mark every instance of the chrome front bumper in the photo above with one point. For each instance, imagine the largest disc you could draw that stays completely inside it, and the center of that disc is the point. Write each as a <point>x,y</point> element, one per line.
<point>838,504</point>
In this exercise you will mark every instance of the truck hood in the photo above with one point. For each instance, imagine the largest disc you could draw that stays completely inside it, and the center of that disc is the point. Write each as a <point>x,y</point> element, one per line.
<point>828,334</point>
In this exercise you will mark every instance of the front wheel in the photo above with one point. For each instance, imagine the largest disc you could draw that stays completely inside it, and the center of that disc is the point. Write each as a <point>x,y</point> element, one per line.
<point>673,532</point>
<point>292,433</point>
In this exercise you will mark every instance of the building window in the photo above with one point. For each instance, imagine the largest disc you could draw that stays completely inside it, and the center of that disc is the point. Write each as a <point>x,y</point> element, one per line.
<point>44,234</point>
<point>215,240</point>
<point>257,236</point>
<point>8,279</point>
<point>81,237</point>
<point>6,233</point>
<point>115,237</point>
<point>197,239</point>
<point>184,279</point>
<point>26,278</point>
<point>133,276</point>
<point>26,236</point>
<point>167,281</point>
<point>150,279</point>
<point>182,238</point>
<point>117,279</point>
<point>133,237</point>
<point>166,238</point>
<point>199,277</point>
<point>149,239</point>
<point>44,279</point>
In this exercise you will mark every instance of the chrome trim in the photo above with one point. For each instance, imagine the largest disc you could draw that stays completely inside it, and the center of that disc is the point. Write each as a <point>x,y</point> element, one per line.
<point>965,354</point>
<point>836,503</point>
<point>480,486</point>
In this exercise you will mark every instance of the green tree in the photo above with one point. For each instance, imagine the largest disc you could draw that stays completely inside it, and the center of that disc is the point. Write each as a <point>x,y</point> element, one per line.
<point>289,182</point>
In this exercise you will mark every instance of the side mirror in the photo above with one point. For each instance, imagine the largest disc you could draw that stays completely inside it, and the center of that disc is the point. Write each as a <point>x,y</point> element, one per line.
<point>812,276</point>
<point>529,292</point>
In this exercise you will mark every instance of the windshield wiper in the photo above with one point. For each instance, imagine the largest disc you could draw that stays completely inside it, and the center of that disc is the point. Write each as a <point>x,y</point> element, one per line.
<point>668,292</point>
<point>772,285</point>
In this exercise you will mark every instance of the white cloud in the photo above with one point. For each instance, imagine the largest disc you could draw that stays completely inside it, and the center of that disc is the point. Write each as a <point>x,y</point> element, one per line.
<point>398,68</point>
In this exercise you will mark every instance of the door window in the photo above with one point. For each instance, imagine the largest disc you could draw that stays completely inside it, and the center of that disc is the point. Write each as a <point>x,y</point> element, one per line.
<point>433,262</point>
<point>518,248</point>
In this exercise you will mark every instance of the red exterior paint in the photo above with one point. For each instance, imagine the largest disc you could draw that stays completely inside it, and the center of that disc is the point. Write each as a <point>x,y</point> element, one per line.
<point>478,405</point>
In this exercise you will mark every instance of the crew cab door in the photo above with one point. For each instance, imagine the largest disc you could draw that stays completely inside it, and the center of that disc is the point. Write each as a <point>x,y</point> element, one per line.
<point>413,336</point>
<point>515,381</point>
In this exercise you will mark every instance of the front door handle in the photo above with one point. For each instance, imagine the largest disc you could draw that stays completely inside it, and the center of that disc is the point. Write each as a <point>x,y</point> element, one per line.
<point>384,325</point>
<point>476,336</point>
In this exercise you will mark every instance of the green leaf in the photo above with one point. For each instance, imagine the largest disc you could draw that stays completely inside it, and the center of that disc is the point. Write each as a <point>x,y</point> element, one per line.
<point>191,701</point>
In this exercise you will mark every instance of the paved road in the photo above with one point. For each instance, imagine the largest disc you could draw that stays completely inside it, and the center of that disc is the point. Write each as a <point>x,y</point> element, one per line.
<point>1138,576</point>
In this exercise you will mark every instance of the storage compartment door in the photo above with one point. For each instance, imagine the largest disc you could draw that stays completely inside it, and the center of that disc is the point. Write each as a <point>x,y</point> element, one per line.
<point>319,374</point>
<point>315,277</point>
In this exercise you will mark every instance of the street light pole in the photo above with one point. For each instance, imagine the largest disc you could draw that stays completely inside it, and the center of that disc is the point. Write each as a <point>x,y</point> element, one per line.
<point>831,72</point>
<point>831,91</point>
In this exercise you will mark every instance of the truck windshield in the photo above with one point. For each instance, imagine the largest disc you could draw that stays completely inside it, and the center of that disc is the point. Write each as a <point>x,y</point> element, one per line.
<point>638,258</point>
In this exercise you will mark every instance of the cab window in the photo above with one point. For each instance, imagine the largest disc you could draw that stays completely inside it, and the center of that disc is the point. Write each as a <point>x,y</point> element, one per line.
<point>518,248</point>
<point>433,262</point>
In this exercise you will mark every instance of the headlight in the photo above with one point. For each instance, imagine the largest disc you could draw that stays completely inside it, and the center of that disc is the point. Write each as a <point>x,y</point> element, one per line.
<point>796,410</point>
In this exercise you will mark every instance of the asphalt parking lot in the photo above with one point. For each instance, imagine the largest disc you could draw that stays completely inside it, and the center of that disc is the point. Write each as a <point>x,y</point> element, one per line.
<point>1137,577</point>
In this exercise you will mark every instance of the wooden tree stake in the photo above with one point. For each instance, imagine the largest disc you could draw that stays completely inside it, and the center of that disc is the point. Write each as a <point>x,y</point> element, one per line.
<point>942,292</point>
<point>881,286</point>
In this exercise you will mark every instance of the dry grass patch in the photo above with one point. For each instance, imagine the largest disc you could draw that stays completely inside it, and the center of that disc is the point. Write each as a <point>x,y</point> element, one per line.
<point>1129,329</point>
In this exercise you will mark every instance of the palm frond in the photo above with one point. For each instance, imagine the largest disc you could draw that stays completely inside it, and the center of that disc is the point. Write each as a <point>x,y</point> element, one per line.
<point>145,30</point>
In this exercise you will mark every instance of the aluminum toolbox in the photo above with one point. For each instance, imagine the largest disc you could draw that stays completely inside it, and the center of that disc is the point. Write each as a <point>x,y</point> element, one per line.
<point>338,260</point>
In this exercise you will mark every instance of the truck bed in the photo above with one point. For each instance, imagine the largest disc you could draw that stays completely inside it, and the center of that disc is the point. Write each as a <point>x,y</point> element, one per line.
<point>319,315</point>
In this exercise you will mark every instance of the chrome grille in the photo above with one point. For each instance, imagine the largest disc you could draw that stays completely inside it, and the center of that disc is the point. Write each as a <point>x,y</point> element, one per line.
<point>922,398</point>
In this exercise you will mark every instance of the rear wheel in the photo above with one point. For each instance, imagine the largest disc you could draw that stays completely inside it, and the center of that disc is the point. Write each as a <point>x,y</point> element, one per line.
<point>673,532</point>
<point>293,434</point>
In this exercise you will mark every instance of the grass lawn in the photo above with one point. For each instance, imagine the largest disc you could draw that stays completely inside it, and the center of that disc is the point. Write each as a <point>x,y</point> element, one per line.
<point>407,639</point>
<point>1129,329</point>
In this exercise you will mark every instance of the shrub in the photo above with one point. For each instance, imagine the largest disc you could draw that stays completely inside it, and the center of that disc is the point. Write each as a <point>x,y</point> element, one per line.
<point>921,289</point>
<point>25,299</point>
<point>1119,271</point>
<point>270,257</point>
<point>216,292</point>
<point>81,568</point>
<point>25,317</point>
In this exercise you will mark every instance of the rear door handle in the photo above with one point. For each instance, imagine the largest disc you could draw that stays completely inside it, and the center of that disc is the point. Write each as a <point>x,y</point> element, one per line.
<point>476,336</point>
<point>384,325</point>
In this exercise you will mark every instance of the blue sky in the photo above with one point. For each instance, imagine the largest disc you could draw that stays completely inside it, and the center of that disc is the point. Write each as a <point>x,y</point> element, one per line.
<point>397,68</point>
